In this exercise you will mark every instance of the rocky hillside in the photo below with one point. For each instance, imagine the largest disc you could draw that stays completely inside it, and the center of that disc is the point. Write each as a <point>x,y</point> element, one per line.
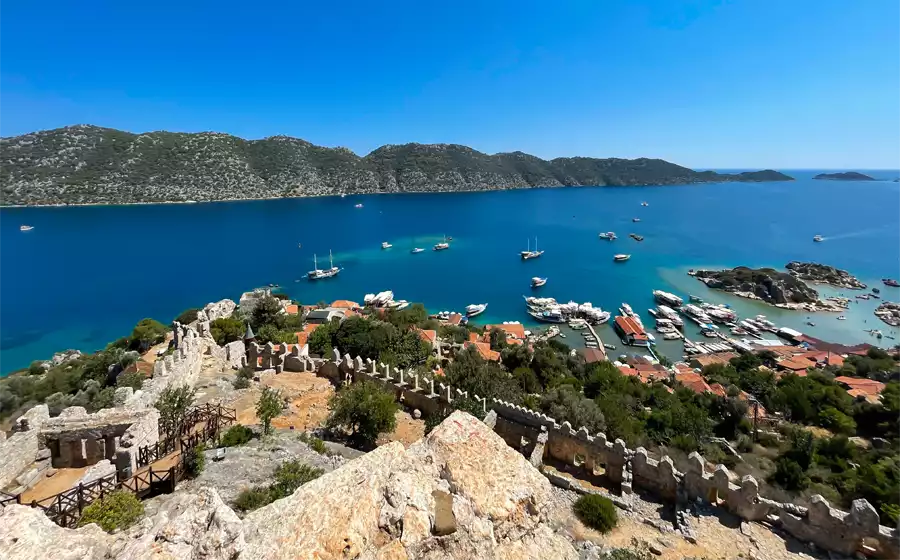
<point>88,164</point>
<point>767,284</point>
<point>459,494</point>
<point>824,274</point>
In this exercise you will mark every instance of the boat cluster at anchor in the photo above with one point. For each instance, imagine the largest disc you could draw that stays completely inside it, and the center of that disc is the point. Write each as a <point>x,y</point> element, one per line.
<point>548,310</point>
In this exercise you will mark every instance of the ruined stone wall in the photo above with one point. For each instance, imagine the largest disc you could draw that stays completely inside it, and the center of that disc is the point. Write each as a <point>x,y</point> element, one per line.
<point>180,368</point>
<point>20,450</point>
<point>829,528</point>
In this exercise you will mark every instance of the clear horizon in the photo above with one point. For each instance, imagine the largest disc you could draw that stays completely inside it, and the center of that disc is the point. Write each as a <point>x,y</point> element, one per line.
<point>704,84</point>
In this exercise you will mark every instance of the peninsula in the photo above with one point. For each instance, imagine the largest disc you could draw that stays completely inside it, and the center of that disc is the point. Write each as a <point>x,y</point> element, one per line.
<point>824,274</point>
<point>771,286</point>
<point>846,176</point>
<point>92,165</point>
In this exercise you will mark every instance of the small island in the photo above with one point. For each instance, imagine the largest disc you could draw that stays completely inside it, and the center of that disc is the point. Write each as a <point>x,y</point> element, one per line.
<point>845,176</point>
<point>889,312</point>
<point>824,274</point>
<point>771,286</point>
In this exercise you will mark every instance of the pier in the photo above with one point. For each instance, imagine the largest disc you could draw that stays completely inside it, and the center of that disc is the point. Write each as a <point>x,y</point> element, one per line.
<point>598,339</point>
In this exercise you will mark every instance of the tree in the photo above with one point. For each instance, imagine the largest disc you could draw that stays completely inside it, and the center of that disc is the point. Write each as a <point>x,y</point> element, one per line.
<point>268,310</point>
<point>36,368</point>
<point>789,475</point>
<point>236,435</point>
<point>836,421</point>
<point>173,404</point>
<point>147,333</point>
<point>226,329</point>
<point>117,510</point>
<point>269,405</point>
<point>364,410</point>
<point>187,316</point>
<point>565,404</point>
<point>498,339</point>
<point>133,379</point>
<point>195,460</point>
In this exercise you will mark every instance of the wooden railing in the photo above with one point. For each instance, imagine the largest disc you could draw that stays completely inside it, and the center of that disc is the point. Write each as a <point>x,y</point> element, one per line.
<point>66,508</point>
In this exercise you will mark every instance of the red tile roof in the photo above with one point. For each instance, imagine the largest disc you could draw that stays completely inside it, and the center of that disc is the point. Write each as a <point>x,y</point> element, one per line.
<point>454,319</point>
<point>592,355</point>
<point>694,382</point>
<point>794,364</point>
<point>629,326</point>
<point>718,389</point>
<point>516,330</point>
<point>473,337</point>
<point>704,360</point>
<point>344,304</point>
<point>485,350</point>
<point>868,387</point>
<point>303,336</point>
<point>428,335</point>
<point>292,309</point>
<point>645,375</point>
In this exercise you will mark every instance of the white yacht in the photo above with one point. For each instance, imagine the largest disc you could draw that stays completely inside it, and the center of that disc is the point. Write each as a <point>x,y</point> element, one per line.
<point>358,205</point>
<point>386,245</point>
<point>621,258</point>
<point>818,238</point>
<point>443,245</point>
<point>667,298</point>
<point>417,250</point>
<point>318,274</point>
<point>671,315</point>
<point>24,227</point>
<point>529,254</point>
<point>475,309</point>
<point>537,282</point>
<point>609,236</point>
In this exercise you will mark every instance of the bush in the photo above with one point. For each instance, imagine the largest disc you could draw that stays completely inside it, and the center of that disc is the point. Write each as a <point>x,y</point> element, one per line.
<point>314,443</point>
<point>236,435</point>
<point>36,368</point>
<point>240,383</point>
<point>117,510</point>
<point>363,409</point>
<point>269,406</point>
<point>789,475</point>
<point>226,329</point>
<point>596,512</point>
<point>133,379</point>
<point>187,316</point>
<point>252,498</point>
<point>195,461</point>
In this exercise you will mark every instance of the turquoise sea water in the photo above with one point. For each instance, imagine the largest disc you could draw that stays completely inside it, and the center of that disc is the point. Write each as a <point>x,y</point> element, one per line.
<point>85,275</point>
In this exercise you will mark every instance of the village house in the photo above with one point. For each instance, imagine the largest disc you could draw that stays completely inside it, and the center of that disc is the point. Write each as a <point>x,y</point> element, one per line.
<point>860,388</point>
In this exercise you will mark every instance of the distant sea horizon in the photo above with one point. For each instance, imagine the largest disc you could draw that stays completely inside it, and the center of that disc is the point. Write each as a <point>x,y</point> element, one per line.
<point>86,274</point>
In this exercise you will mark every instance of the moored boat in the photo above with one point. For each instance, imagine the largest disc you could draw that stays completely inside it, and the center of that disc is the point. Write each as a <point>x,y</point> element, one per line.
<point>537,282</point>
<point>443,245</point>
<point>609,236</point>
<point>529,254</point>
<point>667,298</point>
<point>24,227</point>
<point>621,257</point>
<point>891,282</point>
<point>386,245</point>
<point>475,309</point>
<point>636,237</point>
<point>417,250</point>
<point>818,238</point>
<point>318,274</point>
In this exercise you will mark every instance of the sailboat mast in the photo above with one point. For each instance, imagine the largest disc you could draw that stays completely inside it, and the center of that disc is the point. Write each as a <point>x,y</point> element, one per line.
<point>535,244</point>
<point>315,262</point>
<point>330,259</point>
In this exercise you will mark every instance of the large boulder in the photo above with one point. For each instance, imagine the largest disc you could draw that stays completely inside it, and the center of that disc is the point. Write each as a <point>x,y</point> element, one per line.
<point>27,533</point>
<point>219,309</point>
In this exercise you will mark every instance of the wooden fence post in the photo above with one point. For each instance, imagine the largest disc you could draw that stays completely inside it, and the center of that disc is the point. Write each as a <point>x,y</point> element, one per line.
<point>80,498</point>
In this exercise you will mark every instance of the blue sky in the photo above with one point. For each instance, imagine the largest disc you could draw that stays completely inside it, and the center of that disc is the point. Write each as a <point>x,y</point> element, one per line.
<point>741,84</point>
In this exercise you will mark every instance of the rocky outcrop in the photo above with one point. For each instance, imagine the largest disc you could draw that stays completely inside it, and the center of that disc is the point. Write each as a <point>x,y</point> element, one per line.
<point>766,284</point>
<point>20,450</point>
<point>219,309</point>
<point>81,164</point>
<point>824,274</point>
<point>845,176</point>
<point>889,312</point>
<point>27,534</point>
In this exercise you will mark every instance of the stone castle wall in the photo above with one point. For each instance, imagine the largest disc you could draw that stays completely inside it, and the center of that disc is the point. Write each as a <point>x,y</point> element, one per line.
<point>540,437</point>
<point>179,368</point>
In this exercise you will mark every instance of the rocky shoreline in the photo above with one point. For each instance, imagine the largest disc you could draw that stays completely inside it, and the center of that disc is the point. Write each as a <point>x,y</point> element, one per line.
<point>889,312</point>
<point>768,285</point>
<point>824,274</point>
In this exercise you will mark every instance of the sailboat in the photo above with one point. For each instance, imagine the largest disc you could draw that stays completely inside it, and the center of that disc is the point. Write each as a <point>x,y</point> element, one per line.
<point>318,274</point>
<point>529,254</point>
<point>442,246</point>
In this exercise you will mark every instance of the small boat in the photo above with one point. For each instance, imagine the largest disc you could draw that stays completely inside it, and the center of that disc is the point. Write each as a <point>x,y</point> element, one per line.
<point>343,195</point>
<point>548,316</point>
<point>696,299</point>
<point>810,323</point>
<point>609,236</point>
<point>450,238</point>
<point>417,250</point>
<point>609,346</point>
<point>841,318</point>
<point>386,245</point>
<point>442,246</point>
<point>317,274</point>
<point>891,282</point>
<point>562,335</point>
<point>876,291</point>
<point>636,237</point>
<point>529,254</point>
<point>635,219</point>
<point>358,205</point>
<point>537,282</point>
<point>818,238</point>
<point>475,309</point>
<point>621,258</point>
<point>24,227</point>
<point>644,204</point>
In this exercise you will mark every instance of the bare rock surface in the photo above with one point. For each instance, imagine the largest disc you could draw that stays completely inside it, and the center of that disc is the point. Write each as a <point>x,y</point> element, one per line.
<point>27,533</point>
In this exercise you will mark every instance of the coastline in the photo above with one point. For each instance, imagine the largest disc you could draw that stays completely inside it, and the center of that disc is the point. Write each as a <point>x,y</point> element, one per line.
<point>338,195</point>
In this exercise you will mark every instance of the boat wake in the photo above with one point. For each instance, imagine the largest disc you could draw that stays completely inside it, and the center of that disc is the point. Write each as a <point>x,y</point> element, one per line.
<point>860,233</point>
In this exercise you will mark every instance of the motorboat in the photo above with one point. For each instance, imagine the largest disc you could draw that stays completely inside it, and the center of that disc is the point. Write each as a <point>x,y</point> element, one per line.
<point>644,204</point>
<point>818,238</point>
<point>537,282</point>
<point>540,302</point>
<point>317,274</point>
<point>671,336</point>
<point>358,205</point>
<point>475,309</point>
<point>636,237</point>
<point>635,219</point>
<point>397,304</point>
<point>671,315</point>
<point>876,291</point>
<point>417,250</point>
<point>386,245</point>
<point>621,257</point>
<point>841,318</point>
<point>442,245</point>
<point>667,298</point>
<point>609,346</point>
<point>24,227</point>
<point>891,282</point>
<point>696,299</point>
<point>529,254</point>
<point>381,299</point>
<point>609,236</point>
<point>810,323</point>
<point>709,333</point>
<point>552,315</point>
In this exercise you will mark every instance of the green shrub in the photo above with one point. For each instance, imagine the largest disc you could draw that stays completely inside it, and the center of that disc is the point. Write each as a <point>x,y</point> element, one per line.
<point>133,379</point>
<point>187,316</point>
<point>117,510</point>
<point>314,443</point>
<point>236,435</point>
<point>363,409</point>
<point>596,512</point>
<point>291,475</point>
<point>789,475</point>
<point>744,444</point>
<point>240,383</point>
<point>195,461</point>
<point>253,498</point>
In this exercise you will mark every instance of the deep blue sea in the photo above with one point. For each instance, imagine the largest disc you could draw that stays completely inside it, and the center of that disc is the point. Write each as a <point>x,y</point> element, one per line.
<point>85,275</point>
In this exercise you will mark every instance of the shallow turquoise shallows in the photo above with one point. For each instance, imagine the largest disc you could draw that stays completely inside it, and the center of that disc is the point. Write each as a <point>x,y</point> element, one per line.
<point>85,275</point>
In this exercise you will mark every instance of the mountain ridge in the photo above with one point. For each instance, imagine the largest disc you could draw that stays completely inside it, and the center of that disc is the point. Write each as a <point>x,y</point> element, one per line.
<point>87,164</point>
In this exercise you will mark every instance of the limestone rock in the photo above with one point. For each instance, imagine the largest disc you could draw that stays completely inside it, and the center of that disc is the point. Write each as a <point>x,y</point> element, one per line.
<point>97,471</point>
<point>26,533</point>
<point>190,526</point>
